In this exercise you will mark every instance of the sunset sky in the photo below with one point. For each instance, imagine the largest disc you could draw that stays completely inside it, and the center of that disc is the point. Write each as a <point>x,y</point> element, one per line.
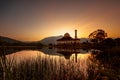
<point>34,20</point>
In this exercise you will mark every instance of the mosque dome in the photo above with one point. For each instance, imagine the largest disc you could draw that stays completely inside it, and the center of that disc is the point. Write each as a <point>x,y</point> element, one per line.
<point>66,35</point>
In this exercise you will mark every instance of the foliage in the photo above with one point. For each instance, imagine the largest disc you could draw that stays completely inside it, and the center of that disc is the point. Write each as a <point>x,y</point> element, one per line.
<point>98,35</point>
<point>108,62</point>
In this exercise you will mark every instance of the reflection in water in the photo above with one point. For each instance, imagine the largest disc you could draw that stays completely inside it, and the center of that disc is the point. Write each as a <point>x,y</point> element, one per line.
<point>23,55</point>
<point>84,62</point>
<point>64,56</point>
<point>69,63</point>
<point>68,52</point>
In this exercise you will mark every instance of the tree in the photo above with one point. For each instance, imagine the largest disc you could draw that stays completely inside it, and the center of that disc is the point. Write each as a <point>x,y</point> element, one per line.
<point>97,36</point>
<point>109,42</point>
<point>117,41</point>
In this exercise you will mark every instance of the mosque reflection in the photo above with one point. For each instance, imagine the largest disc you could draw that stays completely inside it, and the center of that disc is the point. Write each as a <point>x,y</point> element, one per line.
<point>67,52</point>
<point>68,46</point>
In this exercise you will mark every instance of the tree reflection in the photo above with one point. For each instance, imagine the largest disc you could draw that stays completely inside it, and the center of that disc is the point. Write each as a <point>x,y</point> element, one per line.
<point>101,64</point>
<point>107,62</point>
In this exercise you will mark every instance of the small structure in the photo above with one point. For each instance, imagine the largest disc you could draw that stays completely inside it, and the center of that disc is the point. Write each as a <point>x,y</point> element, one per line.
<point>68,41</point>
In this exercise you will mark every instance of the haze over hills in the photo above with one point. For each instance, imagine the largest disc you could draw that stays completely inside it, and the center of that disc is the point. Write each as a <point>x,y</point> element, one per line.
<point>49,40</point>
<point>13,42</point>
<point>45,41</point>
<point>52,40</point>
<point>8,40</point>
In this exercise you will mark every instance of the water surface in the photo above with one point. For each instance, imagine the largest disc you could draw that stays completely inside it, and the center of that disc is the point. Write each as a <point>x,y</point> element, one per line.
<point>79,63</point>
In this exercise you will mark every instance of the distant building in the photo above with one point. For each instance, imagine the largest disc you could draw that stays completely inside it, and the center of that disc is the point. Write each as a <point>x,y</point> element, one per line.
<point>68,40</point>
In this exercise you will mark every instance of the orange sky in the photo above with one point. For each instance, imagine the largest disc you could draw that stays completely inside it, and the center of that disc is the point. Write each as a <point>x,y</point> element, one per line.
<point>32,21</point>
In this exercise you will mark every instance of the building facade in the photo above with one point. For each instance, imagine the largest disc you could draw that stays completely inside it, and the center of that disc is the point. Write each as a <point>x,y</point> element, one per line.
<point>68,41</point>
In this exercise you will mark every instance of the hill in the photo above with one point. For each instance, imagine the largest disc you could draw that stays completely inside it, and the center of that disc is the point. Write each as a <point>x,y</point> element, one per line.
<point>49,40</point>
<point>6,40</point>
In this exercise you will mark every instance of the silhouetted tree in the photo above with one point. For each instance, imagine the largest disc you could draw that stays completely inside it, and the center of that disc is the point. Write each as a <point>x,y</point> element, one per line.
<point>0,41</point>
<point>109,42</point>
<point>117,41</point>
<point>108,62</point>
<point>97,36</point>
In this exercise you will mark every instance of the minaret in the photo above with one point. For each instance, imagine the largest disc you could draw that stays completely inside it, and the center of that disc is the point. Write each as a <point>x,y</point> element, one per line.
<point>75,57</point>
<point>75,34</point>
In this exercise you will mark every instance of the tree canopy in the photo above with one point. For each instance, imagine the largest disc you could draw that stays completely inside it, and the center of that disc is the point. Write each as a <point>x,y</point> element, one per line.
<point>98,35</point>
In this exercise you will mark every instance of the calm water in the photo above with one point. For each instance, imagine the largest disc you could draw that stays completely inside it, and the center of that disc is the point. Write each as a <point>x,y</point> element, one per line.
<point>79,57</point>
<point>23,55</point>
<point>87,63</point>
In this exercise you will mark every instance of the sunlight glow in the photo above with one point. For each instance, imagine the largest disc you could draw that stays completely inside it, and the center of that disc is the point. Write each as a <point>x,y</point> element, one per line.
<point>84,62</point>
<point>62,31</point>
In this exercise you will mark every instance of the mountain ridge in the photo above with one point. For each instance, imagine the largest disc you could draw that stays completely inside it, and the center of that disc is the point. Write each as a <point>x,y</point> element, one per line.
<point>45,41</point>
<point>52,40</point>
<point>8,40</point>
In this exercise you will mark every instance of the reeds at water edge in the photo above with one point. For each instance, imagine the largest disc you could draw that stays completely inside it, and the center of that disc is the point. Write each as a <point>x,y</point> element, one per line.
<point>57,68</point>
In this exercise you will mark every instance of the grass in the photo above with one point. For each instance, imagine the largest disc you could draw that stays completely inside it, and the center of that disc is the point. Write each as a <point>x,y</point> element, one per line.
<point>109,63</point>
<point>52,68</point>
<point>41,68</point>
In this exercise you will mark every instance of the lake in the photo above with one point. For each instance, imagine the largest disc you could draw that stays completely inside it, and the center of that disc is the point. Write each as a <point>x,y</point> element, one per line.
<point>60,64</point>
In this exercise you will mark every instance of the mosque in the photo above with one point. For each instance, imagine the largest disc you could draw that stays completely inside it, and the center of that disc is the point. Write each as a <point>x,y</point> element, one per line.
<point>67,40</point>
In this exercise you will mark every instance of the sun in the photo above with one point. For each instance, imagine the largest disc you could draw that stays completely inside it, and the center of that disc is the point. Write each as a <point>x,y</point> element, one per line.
<point>65,30</point>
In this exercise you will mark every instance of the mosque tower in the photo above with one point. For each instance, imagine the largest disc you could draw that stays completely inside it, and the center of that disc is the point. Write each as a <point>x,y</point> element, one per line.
<point>75,34</point>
